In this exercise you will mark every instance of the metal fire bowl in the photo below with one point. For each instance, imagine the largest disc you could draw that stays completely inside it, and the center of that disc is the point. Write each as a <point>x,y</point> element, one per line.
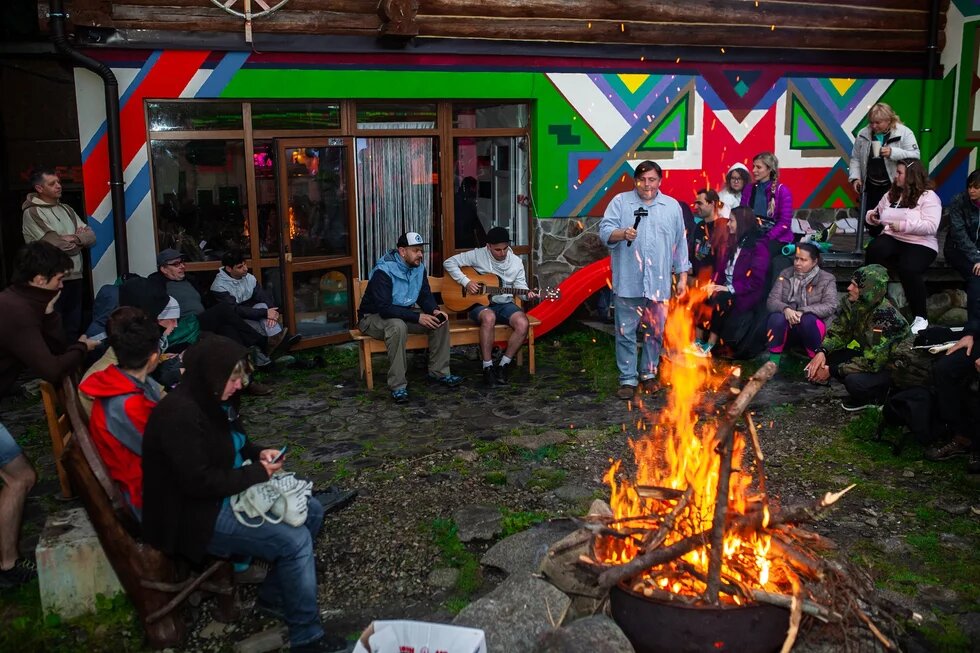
<point>658,627</point>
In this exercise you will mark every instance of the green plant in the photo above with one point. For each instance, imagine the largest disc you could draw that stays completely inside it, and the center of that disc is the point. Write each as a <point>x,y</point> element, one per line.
<point>495,478</point>
<point>445,534</point>
<point>341,472</point>
<point>517,521</point>
<point>546,478</point>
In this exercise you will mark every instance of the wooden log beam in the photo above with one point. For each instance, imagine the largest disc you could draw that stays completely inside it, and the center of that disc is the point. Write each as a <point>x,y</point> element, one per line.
<point>694,15</point>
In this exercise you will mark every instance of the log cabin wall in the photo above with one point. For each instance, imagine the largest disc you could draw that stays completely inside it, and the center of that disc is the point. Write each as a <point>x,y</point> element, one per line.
<point>593,117</point>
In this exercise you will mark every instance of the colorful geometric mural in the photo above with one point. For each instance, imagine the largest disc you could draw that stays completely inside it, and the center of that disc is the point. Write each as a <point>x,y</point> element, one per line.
<point>588,129</point>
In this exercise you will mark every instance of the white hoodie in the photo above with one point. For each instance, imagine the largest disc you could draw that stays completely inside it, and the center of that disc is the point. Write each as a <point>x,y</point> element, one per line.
<point>728,198</point>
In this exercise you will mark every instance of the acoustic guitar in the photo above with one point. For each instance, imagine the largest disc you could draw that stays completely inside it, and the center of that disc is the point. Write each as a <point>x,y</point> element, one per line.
<point>459,299</point>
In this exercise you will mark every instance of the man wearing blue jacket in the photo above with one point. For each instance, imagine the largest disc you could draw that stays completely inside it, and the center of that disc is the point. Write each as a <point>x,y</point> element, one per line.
<point>397,283</point>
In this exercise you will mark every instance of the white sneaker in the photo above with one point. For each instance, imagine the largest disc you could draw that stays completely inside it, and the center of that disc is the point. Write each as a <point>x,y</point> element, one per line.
<point>919,324</point>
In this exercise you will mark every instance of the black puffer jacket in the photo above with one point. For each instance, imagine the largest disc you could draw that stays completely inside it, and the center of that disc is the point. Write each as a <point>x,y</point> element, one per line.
<point>964,228</point>
<point>188,454</point>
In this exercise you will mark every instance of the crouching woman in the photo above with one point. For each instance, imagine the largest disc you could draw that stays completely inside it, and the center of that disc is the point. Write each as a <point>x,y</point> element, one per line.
<point>194,449</point>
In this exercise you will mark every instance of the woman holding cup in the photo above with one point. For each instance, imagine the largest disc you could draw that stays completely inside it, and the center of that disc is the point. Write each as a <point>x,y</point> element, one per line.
<point>877,150</point>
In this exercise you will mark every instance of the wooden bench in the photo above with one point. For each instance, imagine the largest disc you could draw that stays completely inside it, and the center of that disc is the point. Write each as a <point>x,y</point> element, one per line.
<point>462,331</point>
<point>155,583</point>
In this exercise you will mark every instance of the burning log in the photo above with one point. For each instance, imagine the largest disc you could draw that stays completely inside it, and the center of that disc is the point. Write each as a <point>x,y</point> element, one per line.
<point>725,436</point>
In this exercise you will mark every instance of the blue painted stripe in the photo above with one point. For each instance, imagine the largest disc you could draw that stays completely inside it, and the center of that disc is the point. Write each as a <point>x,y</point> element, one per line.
<point>127,94</point>
<point>222,74</point>
<point>136,192</point>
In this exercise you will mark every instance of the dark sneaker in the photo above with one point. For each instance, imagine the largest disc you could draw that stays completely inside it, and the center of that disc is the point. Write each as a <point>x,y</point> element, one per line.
<point>949,450</point>
<point>23,572</point>
<point>650,386</point>
<point>285,342</point>
<point>626,392</point>
<point>326,644</point>
<point>502,372</point>
<point>853,405</point>
<point>489,378</point>
<point>333,499</point>
<point>400,395</point>
<point>973,464</point>
<point>450,380</point>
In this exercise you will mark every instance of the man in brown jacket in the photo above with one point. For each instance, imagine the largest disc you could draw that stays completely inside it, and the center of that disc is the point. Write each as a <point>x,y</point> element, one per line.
<point>47,219</point>
<point>30,336</point>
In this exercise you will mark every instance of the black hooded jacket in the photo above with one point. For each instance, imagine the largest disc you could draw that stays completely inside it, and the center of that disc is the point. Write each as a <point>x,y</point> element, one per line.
<point>188,454</point>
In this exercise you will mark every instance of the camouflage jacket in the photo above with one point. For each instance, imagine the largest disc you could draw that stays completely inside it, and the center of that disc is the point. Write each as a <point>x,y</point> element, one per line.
<point>871,325</point>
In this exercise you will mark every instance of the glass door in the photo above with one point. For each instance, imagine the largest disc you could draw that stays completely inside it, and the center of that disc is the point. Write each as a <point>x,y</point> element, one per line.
<point>318,237</point>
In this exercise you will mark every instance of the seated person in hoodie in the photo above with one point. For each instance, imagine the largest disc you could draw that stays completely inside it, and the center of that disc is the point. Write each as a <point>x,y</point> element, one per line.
<point>236,286</point>
<point>736,180</point>
<point>861,340</point>
<point>397,283</point>
<point>801,303</point>
<point>738,284</point>
<point>124,395</point>
<point>496,258</point>
<point>962,248</point>
<point>149,298</point>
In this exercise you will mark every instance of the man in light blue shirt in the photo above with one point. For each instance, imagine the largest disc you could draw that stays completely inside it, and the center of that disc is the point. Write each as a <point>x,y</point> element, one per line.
<point>644,230</point>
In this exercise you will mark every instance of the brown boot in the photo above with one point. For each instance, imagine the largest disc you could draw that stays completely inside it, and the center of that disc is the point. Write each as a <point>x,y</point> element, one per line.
<point>626,392</point>
<point>257,389</point>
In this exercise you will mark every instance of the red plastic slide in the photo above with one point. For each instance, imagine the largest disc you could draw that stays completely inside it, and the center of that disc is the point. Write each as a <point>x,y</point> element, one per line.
<point>574,290</point>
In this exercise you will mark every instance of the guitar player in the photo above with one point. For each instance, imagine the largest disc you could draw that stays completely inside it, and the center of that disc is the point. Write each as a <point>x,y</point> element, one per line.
<point>496,258</point>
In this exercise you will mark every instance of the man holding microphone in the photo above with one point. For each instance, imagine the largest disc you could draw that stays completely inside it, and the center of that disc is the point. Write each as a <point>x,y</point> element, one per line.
<point>644,230</point>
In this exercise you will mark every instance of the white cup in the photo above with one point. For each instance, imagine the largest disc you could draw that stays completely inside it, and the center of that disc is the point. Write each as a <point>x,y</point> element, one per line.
<point>875,148</point>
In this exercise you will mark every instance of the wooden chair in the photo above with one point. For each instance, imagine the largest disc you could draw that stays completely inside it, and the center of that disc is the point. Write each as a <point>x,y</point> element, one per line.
<point>156,584</point>
<point>59,428</point>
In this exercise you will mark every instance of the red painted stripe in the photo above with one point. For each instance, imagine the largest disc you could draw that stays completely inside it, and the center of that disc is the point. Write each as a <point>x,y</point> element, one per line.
<point>166,80</point>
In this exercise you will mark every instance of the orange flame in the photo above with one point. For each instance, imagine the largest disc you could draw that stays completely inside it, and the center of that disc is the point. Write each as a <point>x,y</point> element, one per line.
<point>677,450</point>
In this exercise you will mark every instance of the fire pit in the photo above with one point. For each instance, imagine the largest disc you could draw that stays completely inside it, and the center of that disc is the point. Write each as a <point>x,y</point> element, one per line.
<point>694,555</point>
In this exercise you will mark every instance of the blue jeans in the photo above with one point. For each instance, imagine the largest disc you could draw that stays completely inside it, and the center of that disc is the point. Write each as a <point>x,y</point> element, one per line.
<point>650,317</point>
<point>291,583</point>
<point>8,446</point>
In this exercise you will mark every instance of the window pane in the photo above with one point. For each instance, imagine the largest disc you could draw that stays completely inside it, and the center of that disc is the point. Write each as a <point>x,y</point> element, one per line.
<point>396,116</point>
<point>173,116</point>
<point>295,115</point>
<point>469,116</point>
<point>397,191</point>
<point>491,189</point>
<point>317,201</point>
<point>199,190</point>
<point>321,302</point>
<point>264,161</point>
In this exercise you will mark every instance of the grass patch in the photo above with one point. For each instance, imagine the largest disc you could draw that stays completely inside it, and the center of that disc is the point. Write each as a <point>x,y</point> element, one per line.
<point>588,354</point>
<point>495,478</point>
<point>445,534</point>
<point>518,521</point>
<point>545,478</point>
<point>547,452</point>
<point>112,628</point>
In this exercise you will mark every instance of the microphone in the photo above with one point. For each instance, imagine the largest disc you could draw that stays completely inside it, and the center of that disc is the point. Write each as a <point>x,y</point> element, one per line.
<point>637,214</point>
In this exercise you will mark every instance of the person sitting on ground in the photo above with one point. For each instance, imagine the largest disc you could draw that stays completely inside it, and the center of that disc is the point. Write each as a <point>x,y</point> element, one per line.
<point>194,453</point>
<point>150,298</point>
<point>736,180</point>
<point>802,304</point>
<point>124,396</point>
<point>954,379</point>
<point>738,285</point>
<point>708,240</point>
<point>496,258</point>
<point>910,215</point>
<point>859,343</point>
<point>397,283</point>
<point>962,249</point>
<point>236,286</point>
<point>31,337</point>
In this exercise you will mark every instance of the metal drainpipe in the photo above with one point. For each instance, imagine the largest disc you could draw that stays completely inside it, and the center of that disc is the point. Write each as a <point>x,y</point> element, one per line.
<point>56,21</point>
<point>932,49</point>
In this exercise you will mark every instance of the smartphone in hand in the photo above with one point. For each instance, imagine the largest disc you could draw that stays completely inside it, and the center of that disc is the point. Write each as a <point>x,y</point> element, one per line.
<point>279,456</point>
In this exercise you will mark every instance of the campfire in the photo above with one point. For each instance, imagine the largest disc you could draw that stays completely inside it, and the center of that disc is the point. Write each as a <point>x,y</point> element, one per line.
<point>695,526</point>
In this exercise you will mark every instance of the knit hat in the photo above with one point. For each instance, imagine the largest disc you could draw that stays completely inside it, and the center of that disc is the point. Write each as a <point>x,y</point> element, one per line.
<point>146,294</point>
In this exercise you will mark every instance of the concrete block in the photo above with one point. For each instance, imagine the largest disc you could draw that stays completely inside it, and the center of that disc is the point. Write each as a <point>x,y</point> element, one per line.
<point>71,565</point>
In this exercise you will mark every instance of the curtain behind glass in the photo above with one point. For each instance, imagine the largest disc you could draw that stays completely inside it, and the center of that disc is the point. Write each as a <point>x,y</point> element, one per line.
<point>394,194</point>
